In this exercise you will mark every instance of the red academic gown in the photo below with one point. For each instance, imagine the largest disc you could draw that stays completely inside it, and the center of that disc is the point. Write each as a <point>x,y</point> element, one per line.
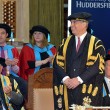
<point>27,54</point>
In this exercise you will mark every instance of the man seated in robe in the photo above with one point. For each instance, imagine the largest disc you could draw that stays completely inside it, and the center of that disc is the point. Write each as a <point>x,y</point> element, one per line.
<point>10,96</point>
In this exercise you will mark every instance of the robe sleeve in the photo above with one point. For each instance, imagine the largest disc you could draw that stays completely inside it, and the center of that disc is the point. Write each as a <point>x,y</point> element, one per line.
<point>27,54</point>
<point>58,69</point>
<point>31,64</point>
<point>98,63</point>
<point>15,53</point>
<point>53,50</point>
<point>16,97</point>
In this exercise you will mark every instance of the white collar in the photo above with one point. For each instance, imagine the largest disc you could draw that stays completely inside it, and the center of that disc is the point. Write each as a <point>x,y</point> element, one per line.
<point>107,80</point>
<point>81,38</point>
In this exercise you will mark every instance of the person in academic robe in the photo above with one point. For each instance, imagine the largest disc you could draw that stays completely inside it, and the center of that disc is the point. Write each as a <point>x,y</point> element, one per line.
<point>11,57</point>
<point>106,83</point>
<point>78,66</point>
<point>38,54</point>
<point>10,96</point>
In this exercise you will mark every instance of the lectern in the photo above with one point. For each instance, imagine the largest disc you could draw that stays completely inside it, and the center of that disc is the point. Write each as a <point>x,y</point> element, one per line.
<point>40,92</point>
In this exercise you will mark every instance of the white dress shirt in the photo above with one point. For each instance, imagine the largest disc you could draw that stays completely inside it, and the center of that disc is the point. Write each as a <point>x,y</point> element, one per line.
<point>3,107</point>
<point>81,40</point>
<point>107,80</point>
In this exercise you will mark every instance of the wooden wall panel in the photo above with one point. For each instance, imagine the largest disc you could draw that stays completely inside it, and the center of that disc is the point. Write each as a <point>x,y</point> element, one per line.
<point>49,13</point>
<point>22,19</point>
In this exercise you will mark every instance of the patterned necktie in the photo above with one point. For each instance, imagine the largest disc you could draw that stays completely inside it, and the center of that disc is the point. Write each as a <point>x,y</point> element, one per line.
<point>78,45</point>
<point>3,56</point>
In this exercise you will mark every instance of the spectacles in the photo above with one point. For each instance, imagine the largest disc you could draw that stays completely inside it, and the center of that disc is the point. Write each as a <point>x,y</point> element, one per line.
<point>77,21</point>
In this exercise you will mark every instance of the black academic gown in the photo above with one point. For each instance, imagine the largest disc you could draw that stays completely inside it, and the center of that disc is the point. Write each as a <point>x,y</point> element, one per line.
<point>2,98</point>
<point>75,64</point>
<point>2,101</point>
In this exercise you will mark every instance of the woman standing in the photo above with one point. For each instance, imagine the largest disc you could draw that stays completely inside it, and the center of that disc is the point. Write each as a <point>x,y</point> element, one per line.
<point>38,54</point>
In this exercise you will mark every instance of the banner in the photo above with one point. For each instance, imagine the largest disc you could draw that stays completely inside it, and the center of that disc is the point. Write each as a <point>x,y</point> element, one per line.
<point>100,10</point>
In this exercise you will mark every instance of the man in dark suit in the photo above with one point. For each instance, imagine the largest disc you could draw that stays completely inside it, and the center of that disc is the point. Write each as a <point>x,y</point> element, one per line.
<point>78,66</point>
<point>106,85</point>
<point>10,96</point>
